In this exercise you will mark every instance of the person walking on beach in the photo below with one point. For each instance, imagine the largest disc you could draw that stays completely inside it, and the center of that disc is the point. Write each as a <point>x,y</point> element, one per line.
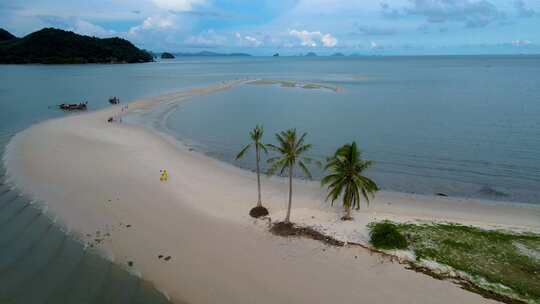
<point>164,175</point>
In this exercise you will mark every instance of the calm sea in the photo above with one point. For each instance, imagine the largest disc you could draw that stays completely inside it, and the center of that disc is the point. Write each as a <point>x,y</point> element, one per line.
<point>465,126</point>
<point>461,125</point>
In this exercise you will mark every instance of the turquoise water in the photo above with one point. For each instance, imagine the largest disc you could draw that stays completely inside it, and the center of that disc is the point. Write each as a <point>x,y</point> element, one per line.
<point>466,126</point>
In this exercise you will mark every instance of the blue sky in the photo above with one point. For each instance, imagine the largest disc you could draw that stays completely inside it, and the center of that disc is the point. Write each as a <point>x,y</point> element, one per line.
<point>294,26</point>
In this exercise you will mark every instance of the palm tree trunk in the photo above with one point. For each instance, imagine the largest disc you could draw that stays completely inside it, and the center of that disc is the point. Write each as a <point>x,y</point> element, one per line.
<point>288,217</point>
<point>259,202</point>
<point>348,216</point>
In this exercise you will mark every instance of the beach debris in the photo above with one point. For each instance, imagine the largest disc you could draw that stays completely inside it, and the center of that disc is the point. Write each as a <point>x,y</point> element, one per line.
<point>165,258</point>
<point>290,230</point>
<point>130,263</point>
<point>128,225</point>
<point>441,194</point>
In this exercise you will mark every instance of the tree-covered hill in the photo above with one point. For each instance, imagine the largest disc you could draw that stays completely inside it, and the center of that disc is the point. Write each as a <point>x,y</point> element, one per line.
<point>52,46</point>
<point>5,35</point>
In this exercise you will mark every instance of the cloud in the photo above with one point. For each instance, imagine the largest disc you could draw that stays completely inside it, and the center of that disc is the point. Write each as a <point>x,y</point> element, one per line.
<point>76,25</point>
<point>248,40</point>
<point>88,28</point>
<point>375,31</point>
<point>207,39</point>
<point>178,5</point>
<point>520,42</point>
<point>375,46</point>
<point>472,13</point>
<point>310,39</point>
<point>523,10</point>
<point>389,12</point>
<point>329,40</point>
<point>154,23</point>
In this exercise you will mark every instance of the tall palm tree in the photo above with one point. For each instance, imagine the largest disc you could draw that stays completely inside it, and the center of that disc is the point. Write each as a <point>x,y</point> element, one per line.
<point>291,150</point>
<point>346,179</point>
<point>256,137</point>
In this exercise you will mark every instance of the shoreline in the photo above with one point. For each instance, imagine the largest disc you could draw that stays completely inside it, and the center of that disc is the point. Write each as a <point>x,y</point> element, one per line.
<point>98,176</point>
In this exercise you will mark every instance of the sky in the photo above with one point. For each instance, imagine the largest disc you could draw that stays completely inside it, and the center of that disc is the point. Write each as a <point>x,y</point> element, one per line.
<point>290,27</point>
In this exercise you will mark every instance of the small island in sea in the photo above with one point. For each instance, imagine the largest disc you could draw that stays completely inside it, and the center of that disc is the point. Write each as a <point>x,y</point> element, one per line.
<point>55,46</point>
<point>166,55</point>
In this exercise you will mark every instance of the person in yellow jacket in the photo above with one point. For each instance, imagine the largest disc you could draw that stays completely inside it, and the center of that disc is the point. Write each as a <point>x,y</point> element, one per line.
<point>164,176</point>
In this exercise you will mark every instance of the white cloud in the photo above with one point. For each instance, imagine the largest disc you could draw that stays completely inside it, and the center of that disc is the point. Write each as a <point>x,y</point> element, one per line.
<point>248,40</point>
<point>178,5</point>
<point>86,28</point>
<point>375,46</point>
<point>328,40</point>
<point>311,39</point>
<point>520,42</point>
<point>154,23</point>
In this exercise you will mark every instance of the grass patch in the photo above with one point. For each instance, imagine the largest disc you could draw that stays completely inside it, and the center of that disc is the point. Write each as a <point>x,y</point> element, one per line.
<point>493,259</point>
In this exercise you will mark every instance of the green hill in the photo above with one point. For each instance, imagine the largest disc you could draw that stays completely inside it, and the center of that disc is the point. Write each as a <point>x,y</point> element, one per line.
<point>54,46</point>
<point>5,35</point>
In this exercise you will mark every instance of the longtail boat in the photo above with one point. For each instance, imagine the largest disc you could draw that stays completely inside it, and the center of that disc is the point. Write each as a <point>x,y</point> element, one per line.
<point>73,106</point>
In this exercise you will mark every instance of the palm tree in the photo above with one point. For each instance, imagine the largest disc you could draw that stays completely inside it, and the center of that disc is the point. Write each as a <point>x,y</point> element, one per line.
<point>291,150</point>
<point>346,179</point>
<point>256,137</point>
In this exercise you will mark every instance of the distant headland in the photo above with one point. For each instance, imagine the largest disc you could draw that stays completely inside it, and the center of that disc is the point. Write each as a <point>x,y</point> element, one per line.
<point>55,46</point>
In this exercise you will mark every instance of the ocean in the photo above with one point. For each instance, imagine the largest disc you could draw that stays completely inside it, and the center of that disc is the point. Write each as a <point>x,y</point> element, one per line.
<point>466,126</point>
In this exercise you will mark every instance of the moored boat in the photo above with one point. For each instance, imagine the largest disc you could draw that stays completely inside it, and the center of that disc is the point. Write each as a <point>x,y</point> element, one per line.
<point>114,100</point>
<point>73,106</point>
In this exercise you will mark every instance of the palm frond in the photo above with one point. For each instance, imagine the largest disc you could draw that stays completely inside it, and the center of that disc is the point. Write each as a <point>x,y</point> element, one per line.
<point>345,179</point>
<point>243,152</point>
<point>305,169</point>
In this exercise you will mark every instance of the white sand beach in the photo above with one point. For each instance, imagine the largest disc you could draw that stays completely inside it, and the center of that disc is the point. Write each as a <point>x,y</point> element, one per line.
<point>102,182</point>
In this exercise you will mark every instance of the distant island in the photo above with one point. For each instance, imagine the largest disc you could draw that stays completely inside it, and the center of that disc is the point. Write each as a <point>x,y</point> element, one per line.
<point>166,55</point>
<point>311,54</point>
<point>55,46</point>
<point>211,54</point>
<point>275,55</point>
<point>338,55</point>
